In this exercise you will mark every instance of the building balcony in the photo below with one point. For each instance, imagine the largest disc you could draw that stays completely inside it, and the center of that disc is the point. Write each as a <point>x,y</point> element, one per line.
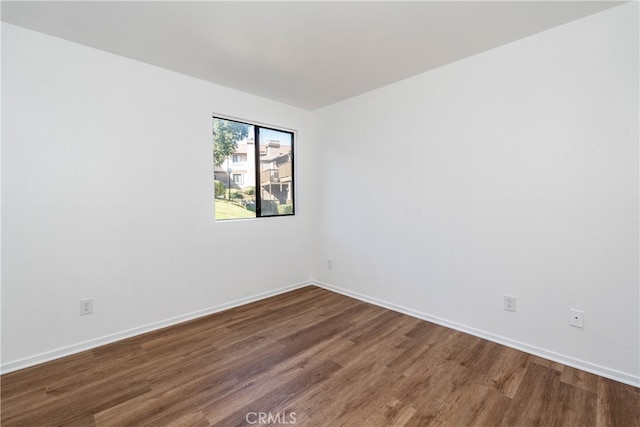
<point>269,176</point>
<point>285,171</point>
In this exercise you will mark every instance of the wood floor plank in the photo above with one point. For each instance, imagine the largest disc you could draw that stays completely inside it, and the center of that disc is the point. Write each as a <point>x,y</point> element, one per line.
<point>429,389</point>
<point>336,403</point>
<point>167,400</point>
<point>191,419</point>
<point>580,379</point>
<point>284,393</point>
<point>503,367</point>
<point>533,402</point>
<point>573,406</point>
<point>392,413</point>
<point>618,404</point>
<point>319,357</point>
<point>546,363</point>
<point>79,405</point>
<point>260,384</point>
<point>382,352</point>
<point>39,376</point>
<point>472,405</point>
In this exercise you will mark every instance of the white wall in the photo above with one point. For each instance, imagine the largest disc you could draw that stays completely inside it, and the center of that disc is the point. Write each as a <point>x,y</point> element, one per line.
<point>108,193</point>
<point>517,174</point>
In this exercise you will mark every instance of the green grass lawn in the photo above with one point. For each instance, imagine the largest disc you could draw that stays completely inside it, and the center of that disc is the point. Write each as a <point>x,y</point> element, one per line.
<point>226,210</point>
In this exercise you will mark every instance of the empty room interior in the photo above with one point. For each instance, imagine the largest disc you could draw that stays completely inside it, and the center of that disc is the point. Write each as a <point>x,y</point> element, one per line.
<point>320,213</point>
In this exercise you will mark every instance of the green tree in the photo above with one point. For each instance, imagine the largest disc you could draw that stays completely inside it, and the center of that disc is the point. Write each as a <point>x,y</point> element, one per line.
<point>220,189</point>
<point>226,135</point>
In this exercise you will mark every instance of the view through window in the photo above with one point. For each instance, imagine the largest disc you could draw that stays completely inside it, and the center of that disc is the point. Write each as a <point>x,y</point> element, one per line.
<point>252,179</point>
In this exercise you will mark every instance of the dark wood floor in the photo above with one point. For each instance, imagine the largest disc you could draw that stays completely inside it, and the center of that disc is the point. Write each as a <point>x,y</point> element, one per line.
<point>311,358</point>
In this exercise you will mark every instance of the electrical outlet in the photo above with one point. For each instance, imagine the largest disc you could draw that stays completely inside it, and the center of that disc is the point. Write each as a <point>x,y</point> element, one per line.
<point>330,264</point>
<point>509,303</point>
<point>576,318</point>
<point>86,306</point>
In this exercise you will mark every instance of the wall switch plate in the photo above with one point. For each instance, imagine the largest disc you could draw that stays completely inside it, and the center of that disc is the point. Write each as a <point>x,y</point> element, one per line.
<point>576,318</point>
<point>509,303</point>
<point>86,306</point>
<point>330,264</point>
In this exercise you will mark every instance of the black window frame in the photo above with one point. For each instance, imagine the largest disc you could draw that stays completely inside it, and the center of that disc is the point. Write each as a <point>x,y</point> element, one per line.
<point>257,183</point>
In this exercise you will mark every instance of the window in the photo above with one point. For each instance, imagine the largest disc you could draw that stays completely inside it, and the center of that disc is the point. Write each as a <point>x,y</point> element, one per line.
<point>253,170</point>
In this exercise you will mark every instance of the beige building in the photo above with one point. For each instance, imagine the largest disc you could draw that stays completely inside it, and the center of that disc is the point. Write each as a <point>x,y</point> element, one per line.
<point>276,171</point>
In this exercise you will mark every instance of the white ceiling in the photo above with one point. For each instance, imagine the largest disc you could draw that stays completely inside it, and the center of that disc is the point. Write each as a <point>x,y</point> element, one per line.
<point>306,53</point>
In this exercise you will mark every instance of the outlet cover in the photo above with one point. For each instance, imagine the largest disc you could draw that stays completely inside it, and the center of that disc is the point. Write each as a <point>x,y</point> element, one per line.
<point>576,318</point>
<point>86,306</point>
<point>509,303</point>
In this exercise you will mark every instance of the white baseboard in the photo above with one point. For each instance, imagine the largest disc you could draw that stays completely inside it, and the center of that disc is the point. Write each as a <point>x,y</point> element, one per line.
<point>583,365</point>
<point>108,339</point>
